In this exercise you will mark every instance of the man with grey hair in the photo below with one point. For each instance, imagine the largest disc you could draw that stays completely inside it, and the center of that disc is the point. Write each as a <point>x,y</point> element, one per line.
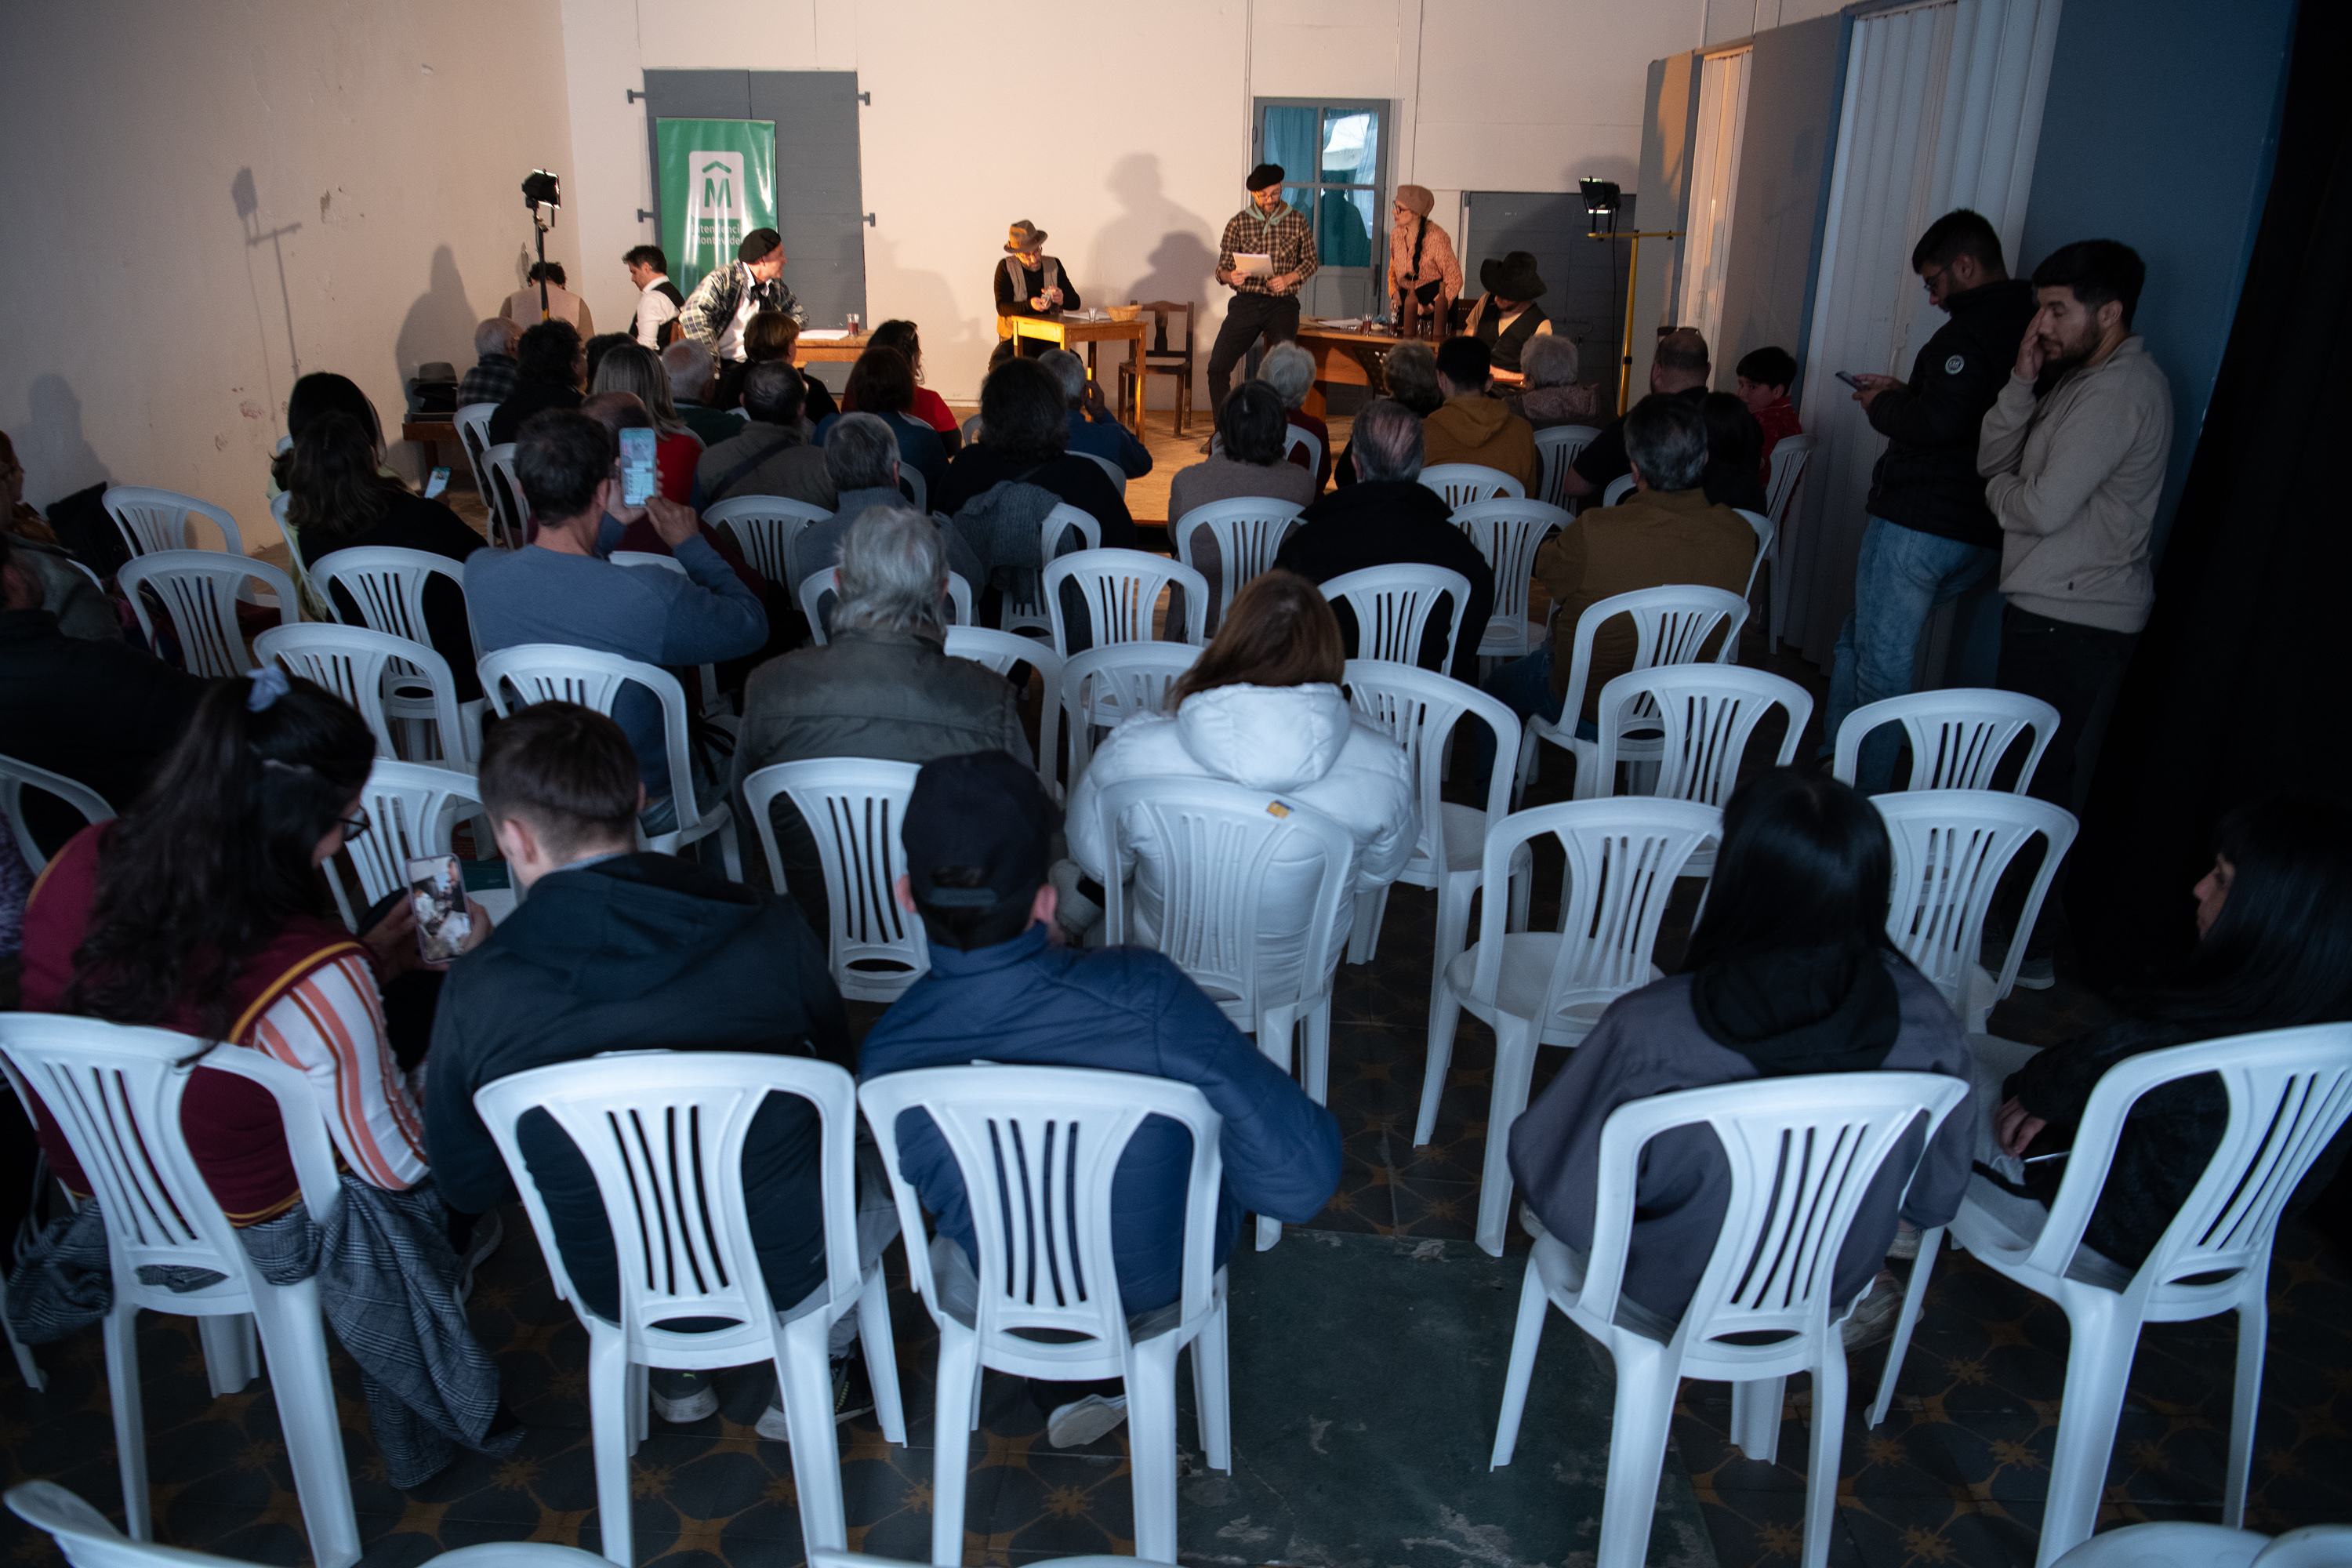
<point>1093,429</point>
<point>1666,532</point>
<point>772,454</point>
<point>493,379</point>
<point>1289,370</point>
<point>1388,517</point>
<point>689,373</point>
<point>861,457</point>
<point>884,687</point>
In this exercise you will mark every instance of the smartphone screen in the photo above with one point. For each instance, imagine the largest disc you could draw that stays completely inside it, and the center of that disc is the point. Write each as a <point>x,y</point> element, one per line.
<point>438,482</point>
<point>636,466</point>
<point>436,888</point>
<point>1840,375</point>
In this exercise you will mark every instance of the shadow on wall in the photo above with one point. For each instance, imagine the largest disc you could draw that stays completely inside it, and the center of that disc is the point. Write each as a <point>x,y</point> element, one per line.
<point>439,326</point>
<point>58,459</point>
<point>950,338</point>
<point>247,200</point>
<point>1180,245</point>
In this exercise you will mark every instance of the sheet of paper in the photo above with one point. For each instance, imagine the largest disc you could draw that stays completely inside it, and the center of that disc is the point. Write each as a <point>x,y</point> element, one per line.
<point>825,334</point>
<point>1252,264</point>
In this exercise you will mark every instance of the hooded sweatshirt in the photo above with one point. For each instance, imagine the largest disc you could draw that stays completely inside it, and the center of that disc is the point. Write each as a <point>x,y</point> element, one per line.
<point>1476,429</point>
<point>638,951</point>
<point>1303,746</point>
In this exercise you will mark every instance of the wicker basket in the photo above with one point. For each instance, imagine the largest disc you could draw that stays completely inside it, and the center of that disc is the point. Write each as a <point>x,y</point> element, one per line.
<point>1125,312</point>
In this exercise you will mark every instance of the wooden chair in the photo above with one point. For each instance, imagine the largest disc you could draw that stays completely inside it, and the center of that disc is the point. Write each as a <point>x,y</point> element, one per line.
<point>1158,358</point>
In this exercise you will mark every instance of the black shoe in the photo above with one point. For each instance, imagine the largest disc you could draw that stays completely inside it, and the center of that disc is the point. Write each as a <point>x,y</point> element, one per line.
<point>682,1396</point>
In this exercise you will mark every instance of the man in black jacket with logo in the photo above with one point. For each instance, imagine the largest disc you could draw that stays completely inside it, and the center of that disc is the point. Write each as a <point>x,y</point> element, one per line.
<point>621,950</point>
<point>1931,537</point>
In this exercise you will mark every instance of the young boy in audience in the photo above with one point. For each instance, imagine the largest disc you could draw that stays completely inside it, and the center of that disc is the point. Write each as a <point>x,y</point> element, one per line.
<point>618,949</point>
<point>1765,377</point>
<point>978,833</point>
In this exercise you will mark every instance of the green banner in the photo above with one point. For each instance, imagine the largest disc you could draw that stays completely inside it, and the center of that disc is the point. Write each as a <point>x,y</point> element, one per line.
<point>718,184</point>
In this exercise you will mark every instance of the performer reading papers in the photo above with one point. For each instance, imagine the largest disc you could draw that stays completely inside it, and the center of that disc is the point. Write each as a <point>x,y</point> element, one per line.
<point>1028,283</point>
<point>1264,301</point>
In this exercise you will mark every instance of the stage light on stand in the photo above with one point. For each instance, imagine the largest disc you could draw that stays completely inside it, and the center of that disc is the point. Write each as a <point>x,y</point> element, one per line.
<point>542,193</point>
<point>1605,199</point>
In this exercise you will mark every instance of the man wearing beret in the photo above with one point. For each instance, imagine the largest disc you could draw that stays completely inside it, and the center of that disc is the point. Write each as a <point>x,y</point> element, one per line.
<point>1264,303</point>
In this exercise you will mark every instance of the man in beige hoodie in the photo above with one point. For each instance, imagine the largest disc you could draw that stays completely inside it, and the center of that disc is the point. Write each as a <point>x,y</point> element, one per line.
<point>2072,454</point>
<point>1474,426</point>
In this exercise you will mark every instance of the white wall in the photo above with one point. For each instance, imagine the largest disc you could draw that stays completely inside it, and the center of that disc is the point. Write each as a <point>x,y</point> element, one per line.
<point>1134,183</point>
<point>1729,19</point>
<point>377,150</point>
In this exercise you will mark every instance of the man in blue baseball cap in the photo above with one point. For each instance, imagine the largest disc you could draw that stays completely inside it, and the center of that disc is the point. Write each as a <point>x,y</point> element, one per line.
<point>978,834</point>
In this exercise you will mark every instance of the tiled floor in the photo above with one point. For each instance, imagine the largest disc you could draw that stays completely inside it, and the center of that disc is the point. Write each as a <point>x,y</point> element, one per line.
<point>1957,1474</point>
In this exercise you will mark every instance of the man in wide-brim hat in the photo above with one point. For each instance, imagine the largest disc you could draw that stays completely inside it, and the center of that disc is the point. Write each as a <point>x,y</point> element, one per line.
<point>1028,283</point>
<point>1507,314</point>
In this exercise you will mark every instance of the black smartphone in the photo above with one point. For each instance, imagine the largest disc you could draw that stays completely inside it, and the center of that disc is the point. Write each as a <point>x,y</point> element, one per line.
<point>1849,380</point>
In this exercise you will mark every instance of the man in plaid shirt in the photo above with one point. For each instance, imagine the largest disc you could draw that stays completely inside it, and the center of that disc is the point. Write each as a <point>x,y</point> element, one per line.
<point>1267,227</point>
<point>493,379</point>
<point>725,301</point>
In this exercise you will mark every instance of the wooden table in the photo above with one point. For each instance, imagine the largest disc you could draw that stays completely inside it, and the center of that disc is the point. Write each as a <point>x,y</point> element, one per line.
<point>830,351</point>
<point>429,433</point>
<point>1068,334</point>
<point>1345,358</point>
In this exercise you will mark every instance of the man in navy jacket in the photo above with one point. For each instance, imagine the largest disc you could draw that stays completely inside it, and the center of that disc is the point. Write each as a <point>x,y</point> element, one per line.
<point>1001,988</point>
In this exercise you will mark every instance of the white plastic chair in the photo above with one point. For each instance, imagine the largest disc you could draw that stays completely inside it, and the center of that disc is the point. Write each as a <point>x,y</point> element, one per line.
<point>767,527</point>
<point>1802,1153</point>
<point>1079,1122</point>
<point>315,604</point>
<point>1295,439</point>
<point>1618,489</point>
<point>818,586</point>
<point>1392,606</point>
<point>1768,545</point>
<point>1958,737</point>
<point>1672,624</point>
<point>855,807</point>
<point>15,775</point>
<point>2290,1090</point>
<point>663,1133</point>
<point>1559,447</point>
<point>89,1540</point>
<point>1120,588</point>
<point>970,430</point>
<point>1786,467</point>
<point>1508,533</point>
<point>1464,483</point>
<point>509,514</point>
<point>361,667</point>
<point>1248,531</point>
<point>115,1092</point>
<point>1000,651</point>
<point>412,808</point>
<point>1112,471</point>
<point>388,587</point>
<point>1951,846</point>
<point>2178,1543</point>
<point>199,590</point>
<point>920,488</point>
<point>1104,687</point>
<point>153,519</point>
<point>1023,606</point>
<point>541,672</point>
<point>1218,841</point>
<point>473,423</point>
<point>1550,987</point>
<point>716,709</point>
<point>863,1560</point>
<point>1418,710</point>
<point>1705,715</point>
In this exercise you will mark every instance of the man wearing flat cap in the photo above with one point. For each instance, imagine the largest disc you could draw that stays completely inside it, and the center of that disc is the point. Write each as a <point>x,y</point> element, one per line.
<point>1264,303</point>
<point>1424,278</point>
<point>1507,314</point>
<point>1002,989</point>
<point>724,302</point>
<point>1028,283</point>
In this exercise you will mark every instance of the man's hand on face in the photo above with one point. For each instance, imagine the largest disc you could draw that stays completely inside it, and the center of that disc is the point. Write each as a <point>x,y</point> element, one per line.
<point>2029,352</point>
<point>672,522</point>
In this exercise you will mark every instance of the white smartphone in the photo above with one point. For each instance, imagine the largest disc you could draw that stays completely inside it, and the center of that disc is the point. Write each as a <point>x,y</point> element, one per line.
<point>636,466</point>
<point>437,889</point>
<point>436,483</point>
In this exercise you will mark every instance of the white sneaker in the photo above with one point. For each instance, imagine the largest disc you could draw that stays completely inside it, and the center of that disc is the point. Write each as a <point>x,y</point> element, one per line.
<point>1873,1317</point>
<point>1077,1423</point>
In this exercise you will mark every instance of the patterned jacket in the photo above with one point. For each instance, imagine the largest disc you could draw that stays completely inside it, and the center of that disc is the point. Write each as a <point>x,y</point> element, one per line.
<point>1289,239</point>
<point>716,299</point>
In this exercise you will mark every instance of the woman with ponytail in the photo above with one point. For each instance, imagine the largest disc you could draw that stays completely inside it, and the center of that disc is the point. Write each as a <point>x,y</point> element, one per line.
<point>202,910</point>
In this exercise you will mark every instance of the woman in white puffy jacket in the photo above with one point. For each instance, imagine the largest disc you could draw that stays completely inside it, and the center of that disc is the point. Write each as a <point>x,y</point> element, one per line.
<point>1263,708</point>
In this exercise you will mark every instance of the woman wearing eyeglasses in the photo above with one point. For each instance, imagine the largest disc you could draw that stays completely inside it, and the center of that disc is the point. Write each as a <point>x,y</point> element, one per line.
<point>201,909</point>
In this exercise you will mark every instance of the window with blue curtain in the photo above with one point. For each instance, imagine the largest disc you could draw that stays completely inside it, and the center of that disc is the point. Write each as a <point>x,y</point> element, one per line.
<point>1330,155</point>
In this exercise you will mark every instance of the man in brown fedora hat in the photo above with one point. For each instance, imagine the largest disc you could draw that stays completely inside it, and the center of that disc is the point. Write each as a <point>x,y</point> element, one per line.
<point>1424,278</point>
<point>1507,314</point>
<point>1028,283</point>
